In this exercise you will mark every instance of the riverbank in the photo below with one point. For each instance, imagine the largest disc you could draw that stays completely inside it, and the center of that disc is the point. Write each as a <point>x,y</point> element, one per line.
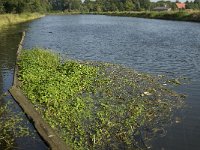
<point>10,19</point>
<point>193,16</point>
<point>173,15</point>
<point>96,105</point>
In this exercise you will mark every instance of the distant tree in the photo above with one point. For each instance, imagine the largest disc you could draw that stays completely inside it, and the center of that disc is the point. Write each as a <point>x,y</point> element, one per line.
<point>188,6</point>
<point>193,5</point>
<point>121,6</point>
<point>145,4</point>
<point>137,4</point>
<point>1,8</point>
<point>89,5</point>
<point>72,5</point>
<point>57,4</point>
<point>19,6</point>
<point>129,5</point>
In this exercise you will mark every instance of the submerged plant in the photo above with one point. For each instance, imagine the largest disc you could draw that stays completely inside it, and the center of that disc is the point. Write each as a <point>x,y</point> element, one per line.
<point>96,105</point>
<point>11,127</point>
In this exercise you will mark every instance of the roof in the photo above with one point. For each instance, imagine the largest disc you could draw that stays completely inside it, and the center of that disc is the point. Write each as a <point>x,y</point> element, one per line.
<point>180,5</point>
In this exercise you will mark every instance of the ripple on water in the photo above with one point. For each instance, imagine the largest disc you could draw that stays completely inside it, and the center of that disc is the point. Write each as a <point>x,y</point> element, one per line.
<point>155,46</point>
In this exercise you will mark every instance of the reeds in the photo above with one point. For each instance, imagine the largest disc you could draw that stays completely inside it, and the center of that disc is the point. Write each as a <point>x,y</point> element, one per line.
<point>9,19</point>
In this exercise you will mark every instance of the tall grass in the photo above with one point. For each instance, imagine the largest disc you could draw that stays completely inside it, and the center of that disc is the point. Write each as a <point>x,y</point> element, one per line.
<point>9,19</point>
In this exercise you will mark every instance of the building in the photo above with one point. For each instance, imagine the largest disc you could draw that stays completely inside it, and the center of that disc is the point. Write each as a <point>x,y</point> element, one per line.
<point>180,5</point>
<point>163,8</point>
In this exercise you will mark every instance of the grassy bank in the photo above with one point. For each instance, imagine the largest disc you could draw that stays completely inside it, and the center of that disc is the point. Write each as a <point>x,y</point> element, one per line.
<point>96,105</point>
<point>65,13</point>
<point>173,15</point>
<point>9,19</point>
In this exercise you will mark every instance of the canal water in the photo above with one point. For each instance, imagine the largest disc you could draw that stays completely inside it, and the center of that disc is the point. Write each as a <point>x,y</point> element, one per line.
<point>9,40</point>
<point>169,48</point>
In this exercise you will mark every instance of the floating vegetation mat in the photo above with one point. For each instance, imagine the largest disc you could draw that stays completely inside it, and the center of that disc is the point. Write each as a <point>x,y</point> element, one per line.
<point>95,105</point>
<point>11,126</point>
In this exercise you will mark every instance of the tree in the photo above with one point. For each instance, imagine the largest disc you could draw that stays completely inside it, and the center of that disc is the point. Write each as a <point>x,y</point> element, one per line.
<point>121,6</point>
<point>129,5</point>
<point>20,6</point>
<point>89,5</point>
<point>57,4</point>
<point>72,5</point>
<point>1,7</point>
<point>145,4</point>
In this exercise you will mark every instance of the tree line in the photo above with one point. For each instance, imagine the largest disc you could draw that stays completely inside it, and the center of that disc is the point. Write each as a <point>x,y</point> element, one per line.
<point>20,6</point>
<point>193,5</point>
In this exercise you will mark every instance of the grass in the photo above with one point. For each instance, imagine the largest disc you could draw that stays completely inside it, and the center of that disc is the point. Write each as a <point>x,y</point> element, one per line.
<point>9,19</point>
<point>95,105</point>
<point>64,13</point>
<point>184,15</point>
<point>171,15</point>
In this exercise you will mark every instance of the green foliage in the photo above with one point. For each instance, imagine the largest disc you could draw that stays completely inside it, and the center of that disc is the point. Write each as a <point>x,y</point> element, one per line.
<point>1,7</point>
<point>193,4</point>
<point>129,5</point>
<point>66,5</point>
<point>20,6</point>
<point>96,105</point>
<point>99,5</point>
<point>9,19</point>
<point>72,5</point>
<point>173,15</point>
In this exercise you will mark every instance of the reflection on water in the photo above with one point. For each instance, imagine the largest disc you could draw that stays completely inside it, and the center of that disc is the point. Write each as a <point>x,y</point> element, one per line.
<point>155,46</point>
<point>9,40</point>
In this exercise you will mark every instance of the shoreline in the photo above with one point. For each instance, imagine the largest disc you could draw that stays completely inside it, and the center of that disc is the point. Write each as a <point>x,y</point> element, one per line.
<point>193,16</point>
<point>174,15</point>
<point>66,93</point>
<point>49,135</point>
<point>12,19</point>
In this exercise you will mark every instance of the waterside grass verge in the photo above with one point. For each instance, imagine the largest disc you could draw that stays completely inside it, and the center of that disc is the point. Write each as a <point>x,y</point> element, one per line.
<point>193,16</point>
<point>10,19</point>
<point>183,15</point>
<point>95,105</point>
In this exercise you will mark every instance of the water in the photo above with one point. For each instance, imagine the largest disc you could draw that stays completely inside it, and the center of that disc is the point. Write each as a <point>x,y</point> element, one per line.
<point>155,46</point>
<point>9,40</point>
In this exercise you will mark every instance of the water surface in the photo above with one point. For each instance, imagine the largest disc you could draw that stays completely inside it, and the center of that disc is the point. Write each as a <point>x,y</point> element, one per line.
<point>155,46</point>
<point>9,40</point>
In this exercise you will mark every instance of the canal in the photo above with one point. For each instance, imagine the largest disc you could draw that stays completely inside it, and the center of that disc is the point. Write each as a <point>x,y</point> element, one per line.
<point>9,40</point>
<point>163,47</point>
<point>169,48</point>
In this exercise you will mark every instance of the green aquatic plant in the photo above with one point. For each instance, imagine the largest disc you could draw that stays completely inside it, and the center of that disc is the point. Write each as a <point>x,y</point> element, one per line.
<point>11,126</point>
<point>96,105</point>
